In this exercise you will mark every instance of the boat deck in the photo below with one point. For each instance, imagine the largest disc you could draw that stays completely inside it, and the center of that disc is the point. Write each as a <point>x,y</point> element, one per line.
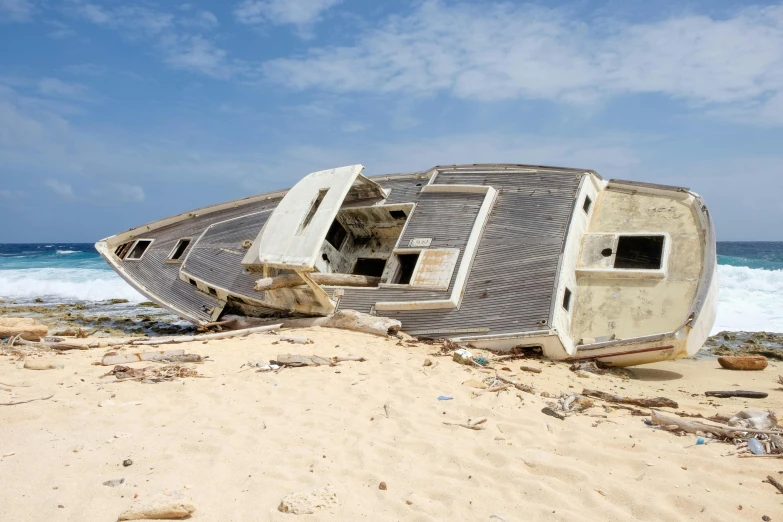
<point>510,286</point>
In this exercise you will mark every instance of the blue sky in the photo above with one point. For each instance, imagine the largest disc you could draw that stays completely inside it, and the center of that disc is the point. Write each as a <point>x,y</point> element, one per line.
<point>114,113</point>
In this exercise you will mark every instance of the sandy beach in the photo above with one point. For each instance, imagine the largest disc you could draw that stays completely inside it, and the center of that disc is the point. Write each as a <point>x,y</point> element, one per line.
<point>238,441</point>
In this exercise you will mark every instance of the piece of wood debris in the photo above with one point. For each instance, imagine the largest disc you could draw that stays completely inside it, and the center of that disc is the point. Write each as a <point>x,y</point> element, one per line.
<point>690,426</point>
<point>771,480</point>
<point>737,393</point>
<point>15,402</point>
<point>478,424</point>
<point>521,387</point>
<point>530,369</point>
<point>656,402</point>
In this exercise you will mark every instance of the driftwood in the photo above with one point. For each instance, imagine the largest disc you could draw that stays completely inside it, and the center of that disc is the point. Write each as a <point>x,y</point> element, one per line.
<point>191,338</point>
<point>530,369</point>
<point>295,361</point>
<point>751,456</point>
<point>14,403</point>
<point>477,424</point>
<point>771,480</point>
<point>520,387</point>
<point>697,426</point>
<point>325,279</point>
<point>657,402</point>
<point>737,393</point>
<point>345,319</point>
<point>50,345</point>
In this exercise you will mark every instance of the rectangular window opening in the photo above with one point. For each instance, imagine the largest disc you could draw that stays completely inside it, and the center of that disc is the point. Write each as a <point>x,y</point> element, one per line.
<point>179,249</point>
<point>336,235</point>
<point>567,299</point>
<point>407,265</point>
<point>369,267</point>
<point>139,248</point>
<point>212,290</point>
<point>398,214</point>
<point>192,282</point>
<point>313,209</point>
<point>586,206</point>
<point>639,252</point>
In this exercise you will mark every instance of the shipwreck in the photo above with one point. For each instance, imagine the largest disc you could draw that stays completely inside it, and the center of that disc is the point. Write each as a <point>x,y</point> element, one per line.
<point>498,256</point>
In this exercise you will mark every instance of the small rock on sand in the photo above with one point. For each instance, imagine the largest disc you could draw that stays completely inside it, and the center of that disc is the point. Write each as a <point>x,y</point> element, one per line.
<point>158,507</point>
<point>744,363</point>
<point>307,503</point>
<point>42,365</point>
<point>382,486</point>
<point>427,362</point>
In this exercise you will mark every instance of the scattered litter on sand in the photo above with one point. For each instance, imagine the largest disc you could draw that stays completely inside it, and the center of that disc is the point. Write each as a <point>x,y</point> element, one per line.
<point>152,374</point>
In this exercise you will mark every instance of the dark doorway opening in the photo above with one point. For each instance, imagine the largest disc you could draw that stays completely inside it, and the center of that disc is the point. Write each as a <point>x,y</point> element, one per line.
<point>407,265</point>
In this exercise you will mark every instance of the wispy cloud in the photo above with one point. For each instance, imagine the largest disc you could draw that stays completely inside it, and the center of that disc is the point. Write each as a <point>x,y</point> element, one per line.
<point>55,88</point>
<point>16,10</point>
<point>506,51</point>
<point>117,193</point>
<point>301,13</point>
<point>60,30</point>
<point>61,189</point>
<point>10,195</point>
<point>181,38</point>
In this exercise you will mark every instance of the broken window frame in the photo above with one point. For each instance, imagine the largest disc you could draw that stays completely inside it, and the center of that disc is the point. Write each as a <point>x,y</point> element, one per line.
<point>181,257</point>
<point>135,244</point>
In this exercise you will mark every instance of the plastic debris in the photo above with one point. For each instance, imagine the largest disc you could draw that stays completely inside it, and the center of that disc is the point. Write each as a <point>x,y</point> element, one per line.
<point>755,446</point>
<point>462,356</point>
<point>444,398</point>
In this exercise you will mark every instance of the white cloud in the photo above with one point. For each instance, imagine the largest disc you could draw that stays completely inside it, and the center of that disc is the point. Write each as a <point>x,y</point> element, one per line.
<point>505,51</point>
<point>117,193</point>
<point>129,193</point>
<point>180,39</point>
<point>195,53</point>
<point>60,31</point>
<point>63,189</point>
<point>59,89</point>
<point>301,13</point>
<point>16,10</point>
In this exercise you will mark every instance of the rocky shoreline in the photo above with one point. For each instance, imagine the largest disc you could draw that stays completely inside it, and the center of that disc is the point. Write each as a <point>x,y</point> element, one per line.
<point>114,317</point>
<point>118,317</point>
<point>768,344</point>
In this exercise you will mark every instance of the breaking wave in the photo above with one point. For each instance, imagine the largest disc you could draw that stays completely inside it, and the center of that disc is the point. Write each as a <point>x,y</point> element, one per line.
<point>750,299</point>
<point>63,252</point>
<point>66,283</point>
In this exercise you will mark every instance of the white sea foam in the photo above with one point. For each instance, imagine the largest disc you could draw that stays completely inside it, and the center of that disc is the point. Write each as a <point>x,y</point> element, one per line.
<point>63,252</point>
<point>84,284</point>
<point>749,299</point>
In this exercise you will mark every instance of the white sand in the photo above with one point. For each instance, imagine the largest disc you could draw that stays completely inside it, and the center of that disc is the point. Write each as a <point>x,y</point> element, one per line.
<point>239,441</point>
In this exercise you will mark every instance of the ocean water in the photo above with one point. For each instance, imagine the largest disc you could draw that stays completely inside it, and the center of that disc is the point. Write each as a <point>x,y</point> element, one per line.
<point>750,279</point>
